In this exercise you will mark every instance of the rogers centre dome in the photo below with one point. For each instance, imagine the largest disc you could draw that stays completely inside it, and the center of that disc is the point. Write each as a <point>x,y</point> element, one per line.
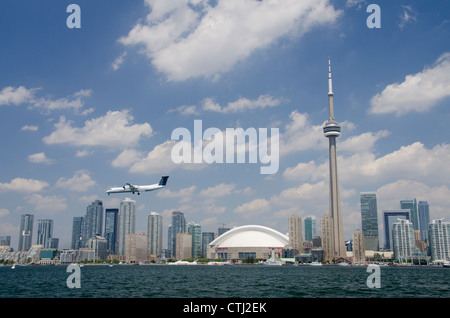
<point>247,241</point>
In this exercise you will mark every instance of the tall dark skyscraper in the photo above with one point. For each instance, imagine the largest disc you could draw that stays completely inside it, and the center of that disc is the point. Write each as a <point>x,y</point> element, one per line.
<point>369,220</point>
<point>76,232</point>
<point>154,233</point>
<point>92,222</point>
<point>332,130</point>
<point>424,219</point>
<point>44,232</point>
<point>111,229</point>
<point>26,232</point>
<point>412,206</point>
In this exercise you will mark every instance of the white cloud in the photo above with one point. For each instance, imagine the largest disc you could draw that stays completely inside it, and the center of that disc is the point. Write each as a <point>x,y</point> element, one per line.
<point>47,204</point>
<point>414,161</point>
<point>220,190</point>
<point>418,92</point>
<point>118,61</point>
<point>408,15</point>
<point>186,39</point>
<point>299,134</point>
<point>29,128</point>
<point>24,185</point>
<point>185,110</point>
<point>438,197</point>
<point>4,212</point>
<point>83,153</point>
<point>184,195</point>
<point>16,96</point>
<point>240,105</point>
<point>114,130</point>
<point>80,182</point>
<point>158,160</point>
<point>126,158</point>
<point>253,208</point>
<point>355,3</point>
<point>40,158</point>
<point>362,143</point>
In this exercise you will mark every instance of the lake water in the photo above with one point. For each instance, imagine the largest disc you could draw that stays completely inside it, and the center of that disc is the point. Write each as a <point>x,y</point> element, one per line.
<point>203,281</point>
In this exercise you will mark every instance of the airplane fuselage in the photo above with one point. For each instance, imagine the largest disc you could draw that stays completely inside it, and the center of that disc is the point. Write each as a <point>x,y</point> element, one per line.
<point>138,188</point>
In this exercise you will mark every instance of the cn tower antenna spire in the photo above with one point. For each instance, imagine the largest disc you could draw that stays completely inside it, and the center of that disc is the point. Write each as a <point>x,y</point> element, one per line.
<point>330,85</point>
<point>330,93</point>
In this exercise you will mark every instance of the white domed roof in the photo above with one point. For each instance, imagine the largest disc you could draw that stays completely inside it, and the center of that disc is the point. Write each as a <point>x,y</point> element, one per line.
<point>251,236</point>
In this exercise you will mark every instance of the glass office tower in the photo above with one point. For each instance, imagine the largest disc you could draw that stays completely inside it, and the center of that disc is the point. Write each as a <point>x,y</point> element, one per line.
<point>423,210</point>
<point>26,232</point>
<point>111,230</point>
<point>369,220</point>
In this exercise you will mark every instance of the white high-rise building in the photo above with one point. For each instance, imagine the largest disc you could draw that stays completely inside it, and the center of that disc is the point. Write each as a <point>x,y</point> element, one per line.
<point>403,240</point>
<point>439,238</point>
<point>127,223</point>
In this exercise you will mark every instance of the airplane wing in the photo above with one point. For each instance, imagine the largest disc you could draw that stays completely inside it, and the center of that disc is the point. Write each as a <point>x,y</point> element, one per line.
<point>132,187</point>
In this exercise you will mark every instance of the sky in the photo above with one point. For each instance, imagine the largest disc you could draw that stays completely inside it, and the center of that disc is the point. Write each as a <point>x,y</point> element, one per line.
<point>84,109</point>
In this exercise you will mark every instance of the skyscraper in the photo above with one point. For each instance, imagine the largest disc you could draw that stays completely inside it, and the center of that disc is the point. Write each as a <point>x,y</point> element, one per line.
<point>154,233</point>
<point>92,222</point>
<point>325,226</point>
<point>423,210</point>
<point>295,233</point>
<point>195,230</point>
<point>178,226</point>
<point>412,206</point>
<point>369,220</point>
<point>44,232</point>
<point>76,232</point>
<point>390,217</point>
<point>439,236</point>
<point>127,223</point>
<point>332,129</point>
<point>359,250</point>
<point>403,241</point>
<point>111,230</point>
<point>26,232</point>
<point>310,228</point>
<point>207,237</point>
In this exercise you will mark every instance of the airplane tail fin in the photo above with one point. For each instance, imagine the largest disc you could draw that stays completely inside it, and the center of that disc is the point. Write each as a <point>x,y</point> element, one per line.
<point>163,180</point>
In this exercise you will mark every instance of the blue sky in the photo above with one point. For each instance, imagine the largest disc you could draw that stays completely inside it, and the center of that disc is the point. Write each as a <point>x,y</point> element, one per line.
<point>89,108</point>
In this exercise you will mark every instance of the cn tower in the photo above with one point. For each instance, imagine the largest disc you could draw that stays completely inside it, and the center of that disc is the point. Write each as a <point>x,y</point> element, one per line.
<point>332,130</point>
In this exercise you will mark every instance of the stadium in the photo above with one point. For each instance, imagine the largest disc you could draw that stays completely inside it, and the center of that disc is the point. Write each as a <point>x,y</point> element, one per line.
<point>249,241</point>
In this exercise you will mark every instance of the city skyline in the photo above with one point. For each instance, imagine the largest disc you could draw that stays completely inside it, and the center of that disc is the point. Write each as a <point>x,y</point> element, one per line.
<point>163,236</point>
<point>85,109</point>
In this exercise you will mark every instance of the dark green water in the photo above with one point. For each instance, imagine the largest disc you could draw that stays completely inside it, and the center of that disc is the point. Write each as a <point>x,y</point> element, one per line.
<point>223,282</point>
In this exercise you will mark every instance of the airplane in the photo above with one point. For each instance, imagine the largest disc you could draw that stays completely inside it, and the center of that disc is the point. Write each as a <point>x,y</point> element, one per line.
<point>128,187</point>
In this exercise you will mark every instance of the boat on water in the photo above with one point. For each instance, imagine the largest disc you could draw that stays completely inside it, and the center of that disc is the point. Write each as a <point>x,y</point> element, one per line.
<point>446,264</point>
<point>184,263</point>
<point>272,261</point>
<point>315,263</point>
